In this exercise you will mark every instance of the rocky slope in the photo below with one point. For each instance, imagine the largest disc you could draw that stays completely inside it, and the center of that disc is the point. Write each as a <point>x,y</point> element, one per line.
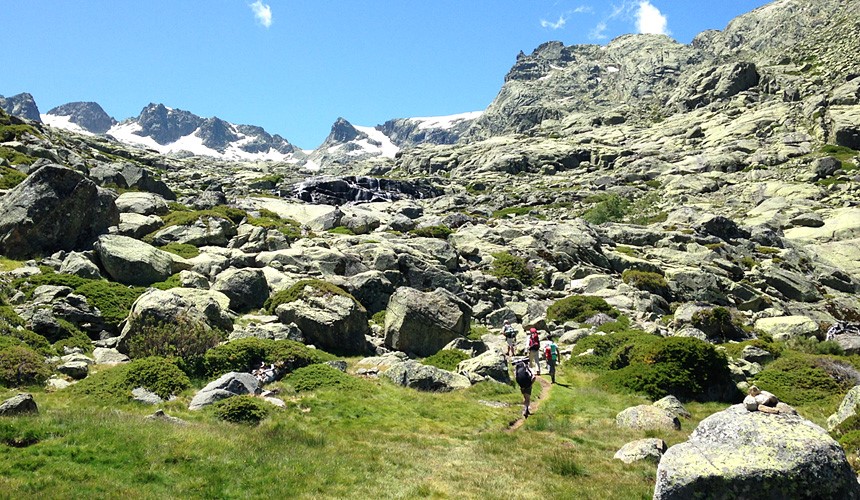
<point>725,172</point>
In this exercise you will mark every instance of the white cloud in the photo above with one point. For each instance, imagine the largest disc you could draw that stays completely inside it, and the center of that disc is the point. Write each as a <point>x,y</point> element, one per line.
<point>649,19</point>
<point>583,9</point>
<point>598,33</point>
<point>554,25</point>
<point>263,13</point>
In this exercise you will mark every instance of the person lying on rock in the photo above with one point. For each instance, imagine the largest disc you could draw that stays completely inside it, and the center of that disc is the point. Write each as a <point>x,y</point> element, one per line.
<point>759,400</point>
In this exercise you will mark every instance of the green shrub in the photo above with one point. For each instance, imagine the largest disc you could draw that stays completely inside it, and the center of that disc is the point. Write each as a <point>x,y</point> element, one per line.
<point>379,318</point>
<point>159,375</point>
<point>341,230</point>
<point>183,250</point>
<point>811,345</point>
<point>21,366</point>
<point>612,350</point>
<point>76,338</point>
<point>797,379</point>
<point>476,331</point>
<point>735,349</point>
<point>244,355</point>
<point>506,265</point>
<point>9,177</point>
<point>442,232</point>
<point>446,359</point>
<point>185,340</point>
<point>578,308</point>
<point>610,208</point>
<point>716,322</point>
<point>14,157</point>
<point>318,376</point>
<point>304,288</point>
<point>512,211</point>
<point>241,409</point>
<point>645,280</point>
<point>270,220</point>
<point>172,282</point>
<point>684,367</point>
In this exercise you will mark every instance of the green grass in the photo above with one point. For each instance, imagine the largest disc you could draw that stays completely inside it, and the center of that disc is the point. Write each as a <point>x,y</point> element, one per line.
<point>334,443</point>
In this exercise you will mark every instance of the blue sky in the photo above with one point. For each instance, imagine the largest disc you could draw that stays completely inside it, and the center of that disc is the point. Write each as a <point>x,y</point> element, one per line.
<point>295,66</point>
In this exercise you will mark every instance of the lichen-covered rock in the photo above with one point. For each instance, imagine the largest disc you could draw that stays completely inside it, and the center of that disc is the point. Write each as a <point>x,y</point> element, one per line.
<point>672,404</point>
<point>647,417</point>
<point>246,288</point>
<point>422,323</point>
<point>55,208</point>
<point>847,408</point>
<point>22,404</point>
<point>740,454</point>
<point>491,364</point>
<point>650,449</point>
<point>332,322</point>
<point>226,386</point>
<point>787,327</point>
<point>134,262</point>
<point>425,378</point>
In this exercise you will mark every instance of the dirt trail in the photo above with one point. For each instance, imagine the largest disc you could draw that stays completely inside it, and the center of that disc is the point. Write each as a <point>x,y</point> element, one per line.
<point>535,403</point>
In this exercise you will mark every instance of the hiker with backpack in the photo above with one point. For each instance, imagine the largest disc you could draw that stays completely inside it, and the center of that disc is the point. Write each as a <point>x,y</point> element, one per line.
<point>510,337</point>
<point>534,349</point>
<point>525,379</point>
<point>550,353</point>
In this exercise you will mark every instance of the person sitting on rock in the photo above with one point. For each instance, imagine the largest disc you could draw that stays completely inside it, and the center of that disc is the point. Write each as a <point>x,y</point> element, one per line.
<point>759,400</point>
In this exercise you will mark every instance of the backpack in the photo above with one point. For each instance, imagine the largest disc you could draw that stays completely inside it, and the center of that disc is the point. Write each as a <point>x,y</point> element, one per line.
<point>509,331</point>
<point>551,352</point>
<point>534,342</point>
<point>523,374</point>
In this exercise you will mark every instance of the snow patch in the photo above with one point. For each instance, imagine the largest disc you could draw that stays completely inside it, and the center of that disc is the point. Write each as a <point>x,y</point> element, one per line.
<point>386,148</point>
<point>65,123</point>
<point>445,122</point>
<point>612,69</point>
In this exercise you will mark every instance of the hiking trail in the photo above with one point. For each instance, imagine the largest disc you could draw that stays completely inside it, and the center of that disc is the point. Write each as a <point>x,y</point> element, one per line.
<point>545,386</point>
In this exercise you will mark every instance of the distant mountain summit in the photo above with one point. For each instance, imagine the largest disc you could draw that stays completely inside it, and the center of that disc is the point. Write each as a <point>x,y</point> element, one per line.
<point>21,105</point>
<point>87,115</point>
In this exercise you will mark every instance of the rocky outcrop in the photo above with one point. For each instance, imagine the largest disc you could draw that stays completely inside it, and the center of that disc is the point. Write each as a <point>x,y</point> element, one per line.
<point>647,417</point>
<point>423,322</point>
<point>343,190</point>
<point>21,105</point>
<point>55,208</point>
<point>247,289</point>
<point>22,404</point>
<point>226,386</point>
<point>134,262</point>
<point>736,453</point>
<point>650,449</point>
<point>425,378</point>
<point>88,115</point>
<point>331,322</point>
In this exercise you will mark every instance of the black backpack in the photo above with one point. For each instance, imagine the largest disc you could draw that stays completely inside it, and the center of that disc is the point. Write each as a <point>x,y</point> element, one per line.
<point>523,374</point>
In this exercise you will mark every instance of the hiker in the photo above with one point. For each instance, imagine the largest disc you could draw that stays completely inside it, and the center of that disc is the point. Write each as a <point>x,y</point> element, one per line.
<point>525,379</point>
<point>534,349</point>
<point>510,336</point>
<point>550,353</point>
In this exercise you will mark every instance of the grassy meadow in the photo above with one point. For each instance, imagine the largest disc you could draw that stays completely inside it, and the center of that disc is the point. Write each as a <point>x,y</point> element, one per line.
<point>370,440</point>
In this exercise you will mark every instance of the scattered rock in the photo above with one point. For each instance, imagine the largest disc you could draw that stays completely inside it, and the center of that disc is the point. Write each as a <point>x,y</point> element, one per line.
<point>22,404</point>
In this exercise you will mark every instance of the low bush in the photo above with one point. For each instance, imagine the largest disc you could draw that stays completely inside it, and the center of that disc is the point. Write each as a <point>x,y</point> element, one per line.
<point>609,351</point>
<point>181,249</point>
<point>318,376</point>
<point>159,375</point>
<point>716,323</point>
<point>609,208</point>
<point>303,289</point>
<point>242,410</point>
<point>244,355</point>
<point>379,318</point>
<point>270,220</point>
<point>21,366</point>
<point>799,379</point>
<point>645,280</point>
<point>446,359</point>
<point>684,367</point>
<point>9,177</point>
<point>185,340</point>
<point>811,345</point>
<point>506,265</point>
<point>442,232</point>
<point>578,308</point>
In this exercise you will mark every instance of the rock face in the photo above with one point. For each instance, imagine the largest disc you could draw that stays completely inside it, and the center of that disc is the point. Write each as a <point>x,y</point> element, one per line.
<point>651,449</point>
<point>343,190</point>
<point>22,105</point>
<point>55,208</point>
<point>423,322</point>
<point>847,408</point>
<point>647,417</point>
<point>739,454</point>
<point>88,115</point>
<point>246,288</point>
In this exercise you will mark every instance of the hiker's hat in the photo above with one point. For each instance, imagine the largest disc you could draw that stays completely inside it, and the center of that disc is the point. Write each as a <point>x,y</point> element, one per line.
<point>533,330</point>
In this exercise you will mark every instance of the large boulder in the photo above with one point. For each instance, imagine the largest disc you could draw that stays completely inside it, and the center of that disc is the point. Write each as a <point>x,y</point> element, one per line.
<point>55,208</point>
<point>203,231</point>
<point>787,327</point>
<point>141,203</point>
<point>22,404</point>
<point>736,453</point>
<point>423,322</point>
<point>332,322</point>
<point>650,449</point>
<point>425,378</point>
<point>647,417</point>
<point>847,408</point>
<point>195,308</point>
<point>133,262</point>
<point>489,365</point>
<point>226,386</point>
<point>246,288</point>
